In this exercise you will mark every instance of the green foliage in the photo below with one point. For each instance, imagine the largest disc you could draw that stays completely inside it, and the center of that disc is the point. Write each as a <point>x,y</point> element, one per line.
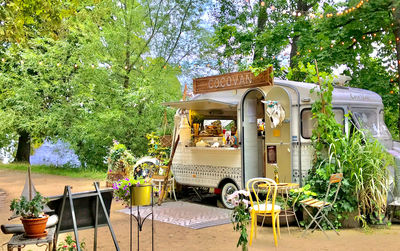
<point>26,18</point>
<point>248,33</point>
<point>29,209</point>
<point>121,188</point>
<point>299,194</point>
<point>90,173</point>
<point>69,244</point>
<point>361,158</point>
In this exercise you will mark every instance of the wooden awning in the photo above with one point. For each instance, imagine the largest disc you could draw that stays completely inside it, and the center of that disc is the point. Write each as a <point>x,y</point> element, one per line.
<point>202,104</point>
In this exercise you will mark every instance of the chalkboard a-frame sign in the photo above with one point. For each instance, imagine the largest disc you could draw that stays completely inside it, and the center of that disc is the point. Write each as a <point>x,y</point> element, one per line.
<point>89,209</point>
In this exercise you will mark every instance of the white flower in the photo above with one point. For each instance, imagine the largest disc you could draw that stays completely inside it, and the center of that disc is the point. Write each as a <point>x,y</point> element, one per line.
<point>244,192</point>
<point>246,202</point>
<point>236,203</point>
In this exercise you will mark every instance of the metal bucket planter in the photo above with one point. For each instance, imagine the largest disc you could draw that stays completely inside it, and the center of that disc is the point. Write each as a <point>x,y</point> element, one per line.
<point>141,195</point>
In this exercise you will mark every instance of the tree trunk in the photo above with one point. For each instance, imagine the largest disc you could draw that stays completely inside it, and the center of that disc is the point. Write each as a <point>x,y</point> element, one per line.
<point>396,31</point>
<point>293,51</point>
<point>24,147</point>
<point>261,21</point>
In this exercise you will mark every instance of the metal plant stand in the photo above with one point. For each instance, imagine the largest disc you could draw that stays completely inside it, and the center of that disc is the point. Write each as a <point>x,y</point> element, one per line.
<point>140,221</point>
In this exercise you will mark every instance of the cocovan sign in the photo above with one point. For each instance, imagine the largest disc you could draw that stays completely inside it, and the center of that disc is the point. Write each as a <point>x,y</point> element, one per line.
<point>232,81</point>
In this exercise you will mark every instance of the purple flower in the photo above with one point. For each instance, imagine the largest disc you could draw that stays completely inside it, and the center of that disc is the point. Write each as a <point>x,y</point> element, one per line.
<point>138,184</point>
<point>125,187</point>
<point>127,179</point>
<point>129,184</point>
<point>109,170</point>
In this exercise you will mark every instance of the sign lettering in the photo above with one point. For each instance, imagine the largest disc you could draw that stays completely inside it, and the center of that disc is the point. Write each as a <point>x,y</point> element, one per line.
<point>232,81</point>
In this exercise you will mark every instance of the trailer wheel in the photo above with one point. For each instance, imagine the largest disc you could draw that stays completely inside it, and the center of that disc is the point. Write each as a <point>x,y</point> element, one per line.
<point>227,189</point>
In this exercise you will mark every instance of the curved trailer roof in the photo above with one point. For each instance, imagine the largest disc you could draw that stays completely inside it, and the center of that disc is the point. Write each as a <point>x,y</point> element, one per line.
<point>230,99</point>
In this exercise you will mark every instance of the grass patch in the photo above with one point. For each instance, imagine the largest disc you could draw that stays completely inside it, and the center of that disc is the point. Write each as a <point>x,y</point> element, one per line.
<point>62,171</point>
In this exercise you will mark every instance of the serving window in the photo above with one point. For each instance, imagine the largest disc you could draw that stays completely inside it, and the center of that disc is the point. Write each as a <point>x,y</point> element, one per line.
<point>213,129</point>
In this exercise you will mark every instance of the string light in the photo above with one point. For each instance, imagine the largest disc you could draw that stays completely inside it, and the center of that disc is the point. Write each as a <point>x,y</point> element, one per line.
<point>92,66</point>
<point>3,60</point>
<point>76,66</point>
<point>58,64</point>
<point>328,15</point>
<point>22,61</point>
<point>40,62</point>
<point>179,67</point>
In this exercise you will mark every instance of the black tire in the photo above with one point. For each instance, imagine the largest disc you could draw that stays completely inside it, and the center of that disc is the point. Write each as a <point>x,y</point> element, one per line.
<point>227,189</point>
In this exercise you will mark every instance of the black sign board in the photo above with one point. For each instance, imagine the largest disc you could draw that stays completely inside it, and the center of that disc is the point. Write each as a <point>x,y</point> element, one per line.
<point>85,209</point>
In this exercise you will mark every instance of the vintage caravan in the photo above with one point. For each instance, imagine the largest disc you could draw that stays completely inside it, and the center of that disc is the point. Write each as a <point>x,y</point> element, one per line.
<point>281,145</point>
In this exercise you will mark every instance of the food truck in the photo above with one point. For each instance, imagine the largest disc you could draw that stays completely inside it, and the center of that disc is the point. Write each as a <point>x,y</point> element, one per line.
<point>239,126</point>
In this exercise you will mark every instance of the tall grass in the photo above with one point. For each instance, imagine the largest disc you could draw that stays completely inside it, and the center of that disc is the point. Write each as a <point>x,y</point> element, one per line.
<point>62,171</point>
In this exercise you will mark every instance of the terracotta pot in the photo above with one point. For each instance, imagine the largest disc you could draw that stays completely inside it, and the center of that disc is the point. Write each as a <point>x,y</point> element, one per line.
<point>35,227</point>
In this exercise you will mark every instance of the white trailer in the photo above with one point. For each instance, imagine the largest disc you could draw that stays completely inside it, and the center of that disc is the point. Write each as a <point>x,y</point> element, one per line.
<point>287,146</point>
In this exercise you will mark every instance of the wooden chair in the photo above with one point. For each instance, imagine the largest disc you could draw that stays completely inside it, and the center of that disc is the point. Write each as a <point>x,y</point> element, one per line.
<point>323,206</point>
<point>158,180</point>
<point>264,208</point>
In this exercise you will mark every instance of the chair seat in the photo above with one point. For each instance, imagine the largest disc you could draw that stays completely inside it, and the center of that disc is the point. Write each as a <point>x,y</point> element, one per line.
<point>311,202</point>
<point>261,208</point>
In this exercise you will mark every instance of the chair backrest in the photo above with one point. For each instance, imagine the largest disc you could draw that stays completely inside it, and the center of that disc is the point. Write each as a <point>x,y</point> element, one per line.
<point>264,185</point>
<point>335,178</point>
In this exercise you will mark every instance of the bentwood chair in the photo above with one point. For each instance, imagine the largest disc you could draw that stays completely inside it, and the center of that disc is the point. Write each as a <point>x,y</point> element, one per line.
<point>268,188</point>
<point>322,206</point>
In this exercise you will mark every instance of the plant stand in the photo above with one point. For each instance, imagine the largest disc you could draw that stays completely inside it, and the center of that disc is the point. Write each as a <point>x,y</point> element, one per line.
<point>140,220</point>
<point>19,241</point>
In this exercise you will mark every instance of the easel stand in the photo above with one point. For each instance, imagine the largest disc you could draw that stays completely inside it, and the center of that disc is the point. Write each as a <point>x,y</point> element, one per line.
<point>68,195</point>
<point>140,221</point>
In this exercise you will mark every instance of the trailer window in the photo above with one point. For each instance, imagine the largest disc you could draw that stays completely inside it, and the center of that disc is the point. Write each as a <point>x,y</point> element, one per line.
<point>308,123</point>
<point>366,119</point>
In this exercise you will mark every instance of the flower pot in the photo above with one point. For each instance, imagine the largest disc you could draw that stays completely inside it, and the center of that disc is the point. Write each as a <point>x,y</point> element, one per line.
<point>35,227</point>
<point>282,219</point>
<point>141,195</point>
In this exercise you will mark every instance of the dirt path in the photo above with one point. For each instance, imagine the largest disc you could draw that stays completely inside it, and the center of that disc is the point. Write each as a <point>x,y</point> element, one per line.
<point>175,238</point>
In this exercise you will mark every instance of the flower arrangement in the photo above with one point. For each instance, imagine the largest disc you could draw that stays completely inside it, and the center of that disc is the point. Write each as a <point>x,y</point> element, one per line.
<point>120,161</point>
<point>119,157</point>
<point>240,215</point>
<point>121,188</point>
<point>69,244</point>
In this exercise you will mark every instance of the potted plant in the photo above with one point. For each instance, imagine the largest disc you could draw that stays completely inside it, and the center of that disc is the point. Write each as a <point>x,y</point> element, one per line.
<point>141,191</point>
<point>32,216</point>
